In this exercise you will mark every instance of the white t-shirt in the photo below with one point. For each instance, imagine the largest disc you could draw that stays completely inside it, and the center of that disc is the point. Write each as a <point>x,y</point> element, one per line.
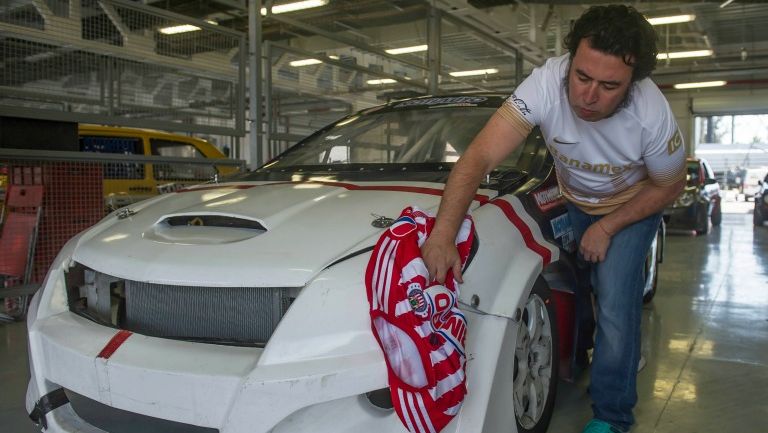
<point>600,165</point>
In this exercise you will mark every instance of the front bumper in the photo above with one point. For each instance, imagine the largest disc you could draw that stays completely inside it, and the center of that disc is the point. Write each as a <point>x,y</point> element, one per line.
<point>209,386</point>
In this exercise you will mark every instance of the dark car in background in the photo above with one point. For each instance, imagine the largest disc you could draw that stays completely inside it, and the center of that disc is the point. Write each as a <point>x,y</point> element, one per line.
<point>698,206</point>
<point>760,214</point>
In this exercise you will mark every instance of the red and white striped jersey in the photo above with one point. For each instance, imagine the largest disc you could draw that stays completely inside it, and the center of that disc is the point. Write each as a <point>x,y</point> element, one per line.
<point>418,323</point>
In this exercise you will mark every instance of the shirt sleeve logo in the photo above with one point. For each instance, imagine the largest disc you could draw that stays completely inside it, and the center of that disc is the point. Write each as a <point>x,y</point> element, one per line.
<point>674,143</point>
<point>521,105</point>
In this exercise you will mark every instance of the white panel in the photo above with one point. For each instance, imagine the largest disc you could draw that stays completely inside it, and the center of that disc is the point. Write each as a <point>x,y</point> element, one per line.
<point>731,104</point>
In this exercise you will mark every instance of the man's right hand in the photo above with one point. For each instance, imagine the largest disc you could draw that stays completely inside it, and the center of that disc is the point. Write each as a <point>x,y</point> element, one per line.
<point>440,256</point>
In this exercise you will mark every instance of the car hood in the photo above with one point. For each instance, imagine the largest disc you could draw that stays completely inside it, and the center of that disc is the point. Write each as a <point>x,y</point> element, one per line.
<point>279,234</point>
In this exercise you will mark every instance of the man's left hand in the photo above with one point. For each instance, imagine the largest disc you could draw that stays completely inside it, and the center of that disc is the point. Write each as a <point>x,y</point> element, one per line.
<point>594,244</point>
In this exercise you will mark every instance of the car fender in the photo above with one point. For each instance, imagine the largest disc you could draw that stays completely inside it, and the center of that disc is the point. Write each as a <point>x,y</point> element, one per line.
<point>512,254</point>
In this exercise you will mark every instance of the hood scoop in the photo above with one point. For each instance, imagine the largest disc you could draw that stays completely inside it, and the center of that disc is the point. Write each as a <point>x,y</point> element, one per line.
<point>204,229</point>
<point>207,220</point>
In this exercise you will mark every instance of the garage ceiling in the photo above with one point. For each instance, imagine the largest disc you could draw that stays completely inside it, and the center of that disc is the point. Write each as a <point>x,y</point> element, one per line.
<point>735,33</point>
<point>192,79</point>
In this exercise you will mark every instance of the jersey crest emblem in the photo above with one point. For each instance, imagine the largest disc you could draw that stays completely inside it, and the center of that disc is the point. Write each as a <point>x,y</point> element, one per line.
<point>416,299</point>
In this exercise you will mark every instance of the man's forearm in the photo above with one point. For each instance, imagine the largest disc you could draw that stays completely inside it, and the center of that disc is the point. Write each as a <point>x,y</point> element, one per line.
<point>491,145</point>
<point>459,192</point>
<point>650,200</point>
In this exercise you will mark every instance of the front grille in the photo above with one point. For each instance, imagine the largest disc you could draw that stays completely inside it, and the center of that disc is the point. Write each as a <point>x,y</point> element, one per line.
<point>237,314</point>
<point>222,315</point>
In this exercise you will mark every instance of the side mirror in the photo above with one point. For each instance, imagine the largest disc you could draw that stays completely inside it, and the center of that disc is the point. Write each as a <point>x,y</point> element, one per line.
<point>710,181</point>
<point>760,182</point>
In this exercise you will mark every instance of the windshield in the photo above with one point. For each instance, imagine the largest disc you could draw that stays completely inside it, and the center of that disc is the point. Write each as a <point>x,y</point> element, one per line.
<point>438,135</point>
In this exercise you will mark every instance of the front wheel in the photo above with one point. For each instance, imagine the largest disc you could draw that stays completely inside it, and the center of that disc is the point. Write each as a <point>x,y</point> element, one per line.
<point>705,223</point>
<point>536,366</point>
<point>651,268</point>
<point>717,215</point>
<point>757,216</point>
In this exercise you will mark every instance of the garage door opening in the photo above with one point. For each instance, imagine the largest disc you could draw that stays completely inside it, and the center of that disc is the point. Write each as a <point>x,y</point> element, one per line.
<point>736,146</point>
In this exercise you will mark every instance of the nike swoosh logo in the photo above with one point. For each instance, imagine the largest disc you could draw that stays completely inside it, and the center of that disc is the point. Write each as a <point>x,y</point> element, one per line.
<point>561,141</point>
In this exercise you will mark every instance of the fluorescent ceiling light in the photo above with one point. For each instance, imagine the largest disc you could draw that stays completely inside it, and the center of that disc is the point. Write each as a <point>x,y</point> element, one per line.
<point>702,84</point>
<point>475,72</point>
<point>405,50</point>
<point>726,3</point>
<point>334,57</point>
<point>304,62</point>
<point>179,29</point>
<point>684,54</point>
<point>382,81</point>
<point>185,28</point>
<point>673,19</point>
<point>295,6</point>
<point>39,56</point>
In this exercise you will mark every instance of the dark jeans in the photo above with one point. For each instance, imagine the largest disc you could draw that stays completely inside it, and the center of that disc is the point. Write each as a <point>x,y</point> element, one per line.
<point>618,286</point>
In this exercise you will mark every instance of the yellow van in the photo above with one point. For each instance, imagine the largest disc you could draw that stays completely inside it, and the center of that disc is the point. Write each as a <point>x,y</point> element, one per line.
<point>128,182</point>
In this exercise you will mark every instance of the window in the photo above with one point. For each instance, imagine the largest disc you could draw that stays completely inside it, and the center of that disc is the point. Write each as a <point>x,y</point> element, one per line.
<point>738,129</point>
<point>694,173</point>
<point>179,171</point>
<point>118,145</point>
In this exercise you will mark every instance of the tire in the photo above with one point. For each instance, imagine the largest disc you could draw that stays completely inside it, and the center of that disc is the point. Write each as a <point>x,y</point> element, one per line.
<point>651,269</point>
<point>757,217</point>
<point>536,362</point>
<point>717,215</point>
<point>706,224</point>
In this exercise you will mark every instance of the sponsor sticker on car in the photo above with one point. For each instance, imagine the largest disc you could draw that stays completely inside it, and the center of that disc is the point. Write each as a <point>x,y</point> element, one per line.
<point>563,231</point>
<point>548,198</point>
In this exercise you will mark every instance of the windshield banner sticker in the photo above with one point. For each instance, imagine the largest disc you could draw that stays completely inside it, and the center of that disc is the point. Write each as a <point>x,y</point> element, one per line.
<point>443,101</point>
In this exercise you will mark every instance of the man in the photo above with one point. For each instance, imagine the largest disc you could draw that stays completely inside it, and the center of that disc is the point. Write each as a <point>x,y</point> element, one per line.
<point>619,160</point>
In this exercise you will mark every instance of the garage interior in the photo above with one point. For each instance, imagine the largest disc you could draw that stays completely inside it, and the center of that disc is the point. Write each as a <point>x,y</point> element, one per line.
<point>120,62</point>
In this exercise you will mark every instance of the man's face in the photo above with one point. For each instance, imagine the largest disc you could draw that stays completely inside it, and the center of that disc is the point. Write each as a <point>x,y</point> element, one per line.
<point>597,83</point>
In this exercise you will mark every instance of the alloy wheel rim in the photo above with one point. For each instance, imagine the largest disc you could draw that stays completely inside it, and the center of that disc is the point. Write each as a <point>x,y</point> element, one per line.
<point>533,363</point>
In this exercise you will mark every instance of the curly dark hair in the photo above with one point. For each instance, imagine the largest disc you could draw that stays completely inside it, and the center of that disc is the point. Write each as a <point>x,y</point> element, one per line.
<point>618,30</point>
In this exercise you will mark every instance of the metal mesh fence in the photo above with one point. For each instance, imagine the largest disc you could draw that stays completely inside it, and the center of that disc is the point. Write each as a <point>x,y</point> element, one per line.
<point>308,89</point>
<point>307,93</point>
<point>81,188</point>
<point>120,62</point>
<point>472,62</point>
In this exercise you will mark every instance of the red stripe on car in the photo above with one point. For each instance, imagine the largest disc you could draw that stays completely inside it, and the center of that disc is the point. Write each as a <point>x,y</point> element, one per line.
<point>114,343</point>
<point>522,227</point>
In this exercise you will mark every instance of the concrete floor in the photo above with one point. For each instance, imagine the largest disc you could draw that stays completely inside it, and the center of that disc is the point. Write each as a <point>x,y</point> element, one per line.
<point>705,339</point>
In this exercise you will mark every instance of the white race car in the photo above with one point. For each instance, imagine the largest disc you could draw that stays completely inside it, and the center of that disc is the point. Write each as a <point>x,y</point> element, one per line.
<point>241,306</point>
